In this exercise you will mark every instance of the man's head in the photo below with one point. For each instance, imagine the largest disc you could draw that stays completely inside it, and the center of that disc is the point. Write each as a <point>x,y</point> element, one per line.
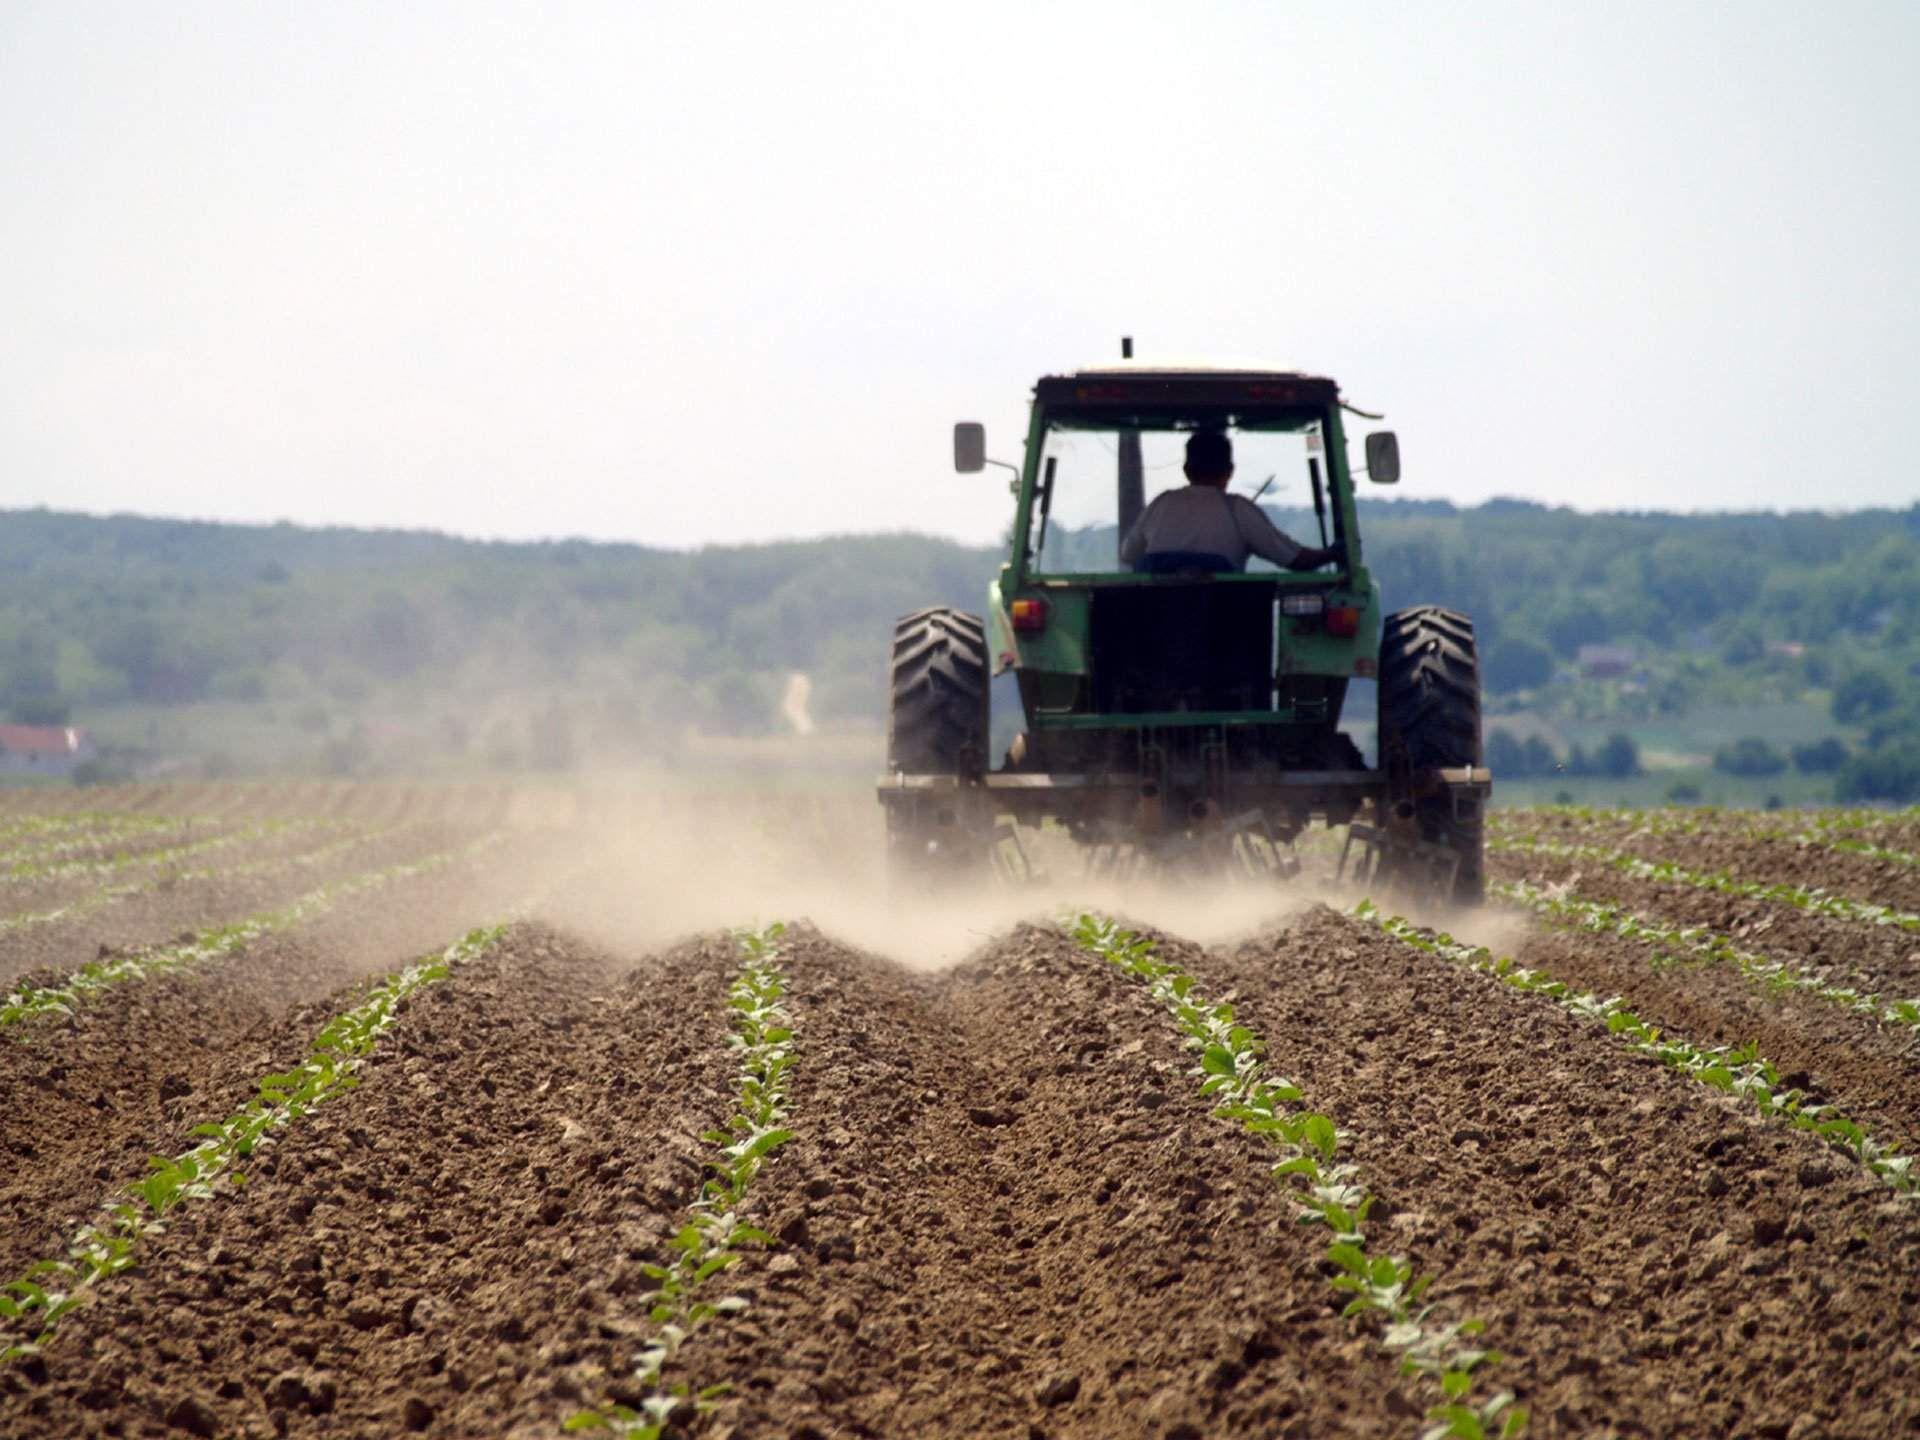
<point>1209,458</point>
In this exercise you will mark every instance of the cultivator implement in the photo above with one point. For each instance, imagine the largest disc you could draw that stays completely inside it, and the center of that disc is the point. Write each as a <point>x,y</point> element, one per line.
<point>1377,857</point>
<point>1239,847</point>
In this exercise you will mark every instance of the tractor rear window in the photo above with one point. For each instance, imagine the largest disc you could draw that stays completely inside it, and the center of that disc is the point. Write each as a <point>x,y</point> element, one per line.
<point>1076,520</point>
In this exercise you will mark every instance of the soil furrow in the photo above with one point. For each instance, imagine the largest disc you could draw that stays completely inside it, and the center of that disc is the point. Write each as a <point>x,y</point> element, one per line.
<point>80,901</point>
<point>1839,1056</point>
<point>109,847</point>
<point>172,910</point>
<point>128,1074</point>
<point>453,1248</point>
<point>1762,860</point>
<point>1653,1257</point>
<point>1009,1212</point>
<point>1869,957</point>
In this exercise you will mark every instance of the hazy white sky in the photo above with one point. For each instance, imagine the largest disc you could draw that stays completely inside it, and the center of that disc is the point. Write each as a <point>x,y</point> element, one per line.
<point>690,273</point>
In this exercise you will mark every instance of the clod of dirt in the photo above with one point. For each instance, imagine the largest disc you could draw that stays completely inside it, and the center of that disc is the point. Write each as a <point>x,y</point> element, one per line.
<point>191,1414</point>
<point>1058,1389</point>
<point>417,1413</point>
<point>366,1317</point>
<point>989,1115</point>
<point>302,1390</point>
<point>1815,1173</point>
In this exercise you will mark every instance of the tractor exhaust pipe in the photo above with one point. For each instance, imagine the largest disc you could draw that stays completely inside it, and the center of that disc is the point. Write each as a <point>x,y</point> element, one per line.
<point>1132,472</point>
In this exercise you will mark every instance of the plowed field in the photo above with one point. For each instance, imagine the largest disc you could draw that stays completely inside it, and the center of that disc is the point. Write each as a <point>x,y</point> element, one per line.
<point>474,1117</point>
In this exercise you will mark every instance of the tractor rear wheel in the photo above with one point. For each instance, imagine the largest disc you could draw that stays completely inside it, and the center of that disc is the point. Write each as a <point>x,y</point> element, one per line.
<point>937,725</point>
<point>1430,718</point>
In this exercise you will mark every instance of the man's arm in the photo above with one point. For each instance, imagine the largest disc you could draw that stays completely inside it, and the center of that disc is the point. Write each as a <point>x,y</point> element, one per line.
<point>1270,542</point>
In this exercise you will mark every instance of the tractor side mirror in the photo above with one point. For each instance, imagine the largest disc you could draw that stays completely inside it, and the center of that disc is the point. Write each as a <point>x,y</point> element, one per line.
<point>969,447</point>
<point>1383,457</point>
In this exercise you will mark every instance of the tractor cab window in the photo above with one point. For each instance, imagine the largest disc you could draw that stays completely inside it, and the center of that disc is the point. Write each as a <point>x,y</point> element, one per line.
<point>1075,521</point>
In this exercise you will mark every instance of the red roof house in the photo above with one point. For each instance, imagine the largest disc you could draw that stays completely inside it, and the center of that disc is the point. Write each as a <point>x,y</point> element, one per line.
<point>43,749</point>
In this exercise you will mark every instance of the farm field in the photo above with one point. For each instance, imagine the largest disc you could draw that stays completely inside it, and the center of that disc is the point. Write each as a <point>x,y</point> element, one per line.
<point>382,1110</point>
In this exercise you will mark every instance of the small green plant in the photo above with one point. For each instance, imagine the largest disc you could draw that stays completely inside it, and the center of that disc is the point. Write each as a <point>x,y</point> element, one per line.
<point>1738,1070</point>
<point>1328,1191</point>
<point>112,894</point>
<point>713,1236</point>
<point>1662,872</point>
<point>49,836</point>
<point>106,1246</point>
<point>1706,946</point>
<point>1836,830</point>
<point>45,865</point>
<point>216,943</point>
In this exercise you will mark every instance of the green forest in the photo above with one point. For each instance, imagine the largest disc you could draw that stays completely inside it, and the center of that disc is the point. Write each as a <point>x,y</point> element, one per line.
<point>237,648</point>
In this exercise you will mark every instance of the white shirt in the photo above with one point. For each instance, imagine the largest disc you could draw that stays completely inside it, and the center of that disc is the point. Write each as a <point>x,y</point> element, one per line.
<point>1207,521</point>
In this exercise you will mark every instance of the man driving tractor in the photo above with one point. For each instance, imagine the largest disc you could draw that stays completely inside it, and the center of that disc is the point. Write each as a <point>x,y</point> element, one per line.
<point>1202,527</point>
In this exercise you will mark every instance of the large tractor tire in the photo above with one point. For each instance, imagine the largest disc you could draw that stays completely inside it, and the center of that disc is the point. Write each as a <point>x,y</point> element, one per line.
<point>937,725</point>
<point>1430,718</point>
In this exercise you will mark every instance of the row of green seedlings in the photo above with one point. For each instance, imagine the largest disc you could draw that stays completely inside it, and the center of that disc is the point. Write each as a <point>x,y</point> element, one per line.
<point>1736,1069</point>
<point>714,1236</point>
<point>108,895</point>
<point>1664,872</point>
<point>1709,819</point>
<point>32,1306</point>
<point>41,830</point>
<point>29,860</point>
<point>1828,830</point>
<point>106,865</point>
<point>95,856</point>
<point>1232,1073</point>
<point>1777,977</point>
<point>28,1002</point>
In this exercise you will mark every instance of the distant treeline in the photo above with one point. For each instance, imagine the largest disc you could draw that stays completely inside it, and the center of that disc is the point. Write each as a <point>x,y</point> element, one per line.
<point>102,611</point>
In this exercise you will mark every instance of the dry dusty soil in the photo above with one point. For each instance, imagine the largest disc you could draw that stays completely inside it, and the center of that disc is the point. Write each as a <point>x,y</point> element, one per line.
<point>1005,1208</point>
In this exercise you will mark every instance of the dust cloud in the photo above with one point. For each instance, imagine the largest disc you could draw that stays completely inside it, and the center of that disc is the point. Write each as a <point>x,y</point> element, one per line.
<point>651,869</point>
<point>633,866</point>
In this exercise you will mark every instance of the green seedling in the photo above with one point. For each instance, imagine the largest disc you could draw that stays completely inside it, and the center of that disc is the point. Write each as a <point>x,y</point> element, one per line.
<point>73,838</point>
<point>113,894</point>
<point>42,826</point>
<point>106,1246</point>
<point>1662,872</point>
<point>1307,1144</point>
<point>216,943</point>
<point>1737,1070</point>
<point>1836,830</point>
<point>1707,946</point>
<point>46,867</point>
<point>713,1237</point>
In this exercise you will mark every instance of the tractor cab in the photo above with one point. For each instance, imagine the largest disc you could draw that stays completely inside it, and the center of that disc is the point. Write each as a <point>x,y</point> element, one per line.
<point>1104,647</point>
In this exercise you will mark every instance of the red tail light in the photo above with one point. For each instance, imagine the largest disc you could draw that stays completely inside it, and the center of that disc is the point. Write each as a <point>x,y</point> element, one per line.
<point>1343,621</point>
<point>1028,616</point>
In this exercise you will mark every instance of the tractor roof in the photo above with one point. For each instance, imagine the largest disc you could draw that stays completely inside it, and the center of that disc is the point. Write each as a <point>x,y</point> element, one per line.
<point>1204,393</point>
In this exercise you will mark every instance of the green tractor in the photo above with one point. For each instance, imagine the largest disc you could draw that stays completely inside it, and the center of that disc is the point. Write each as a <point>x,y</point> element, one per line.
<point>1182,715</point>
